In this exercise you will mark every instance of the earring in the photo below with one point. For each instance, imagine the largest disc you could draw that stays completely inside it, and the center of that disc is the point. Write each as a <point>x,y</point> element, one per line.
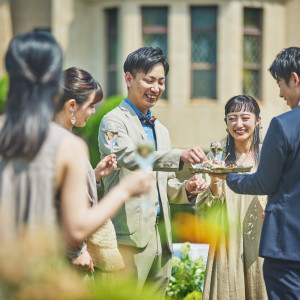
<point>73,120</point>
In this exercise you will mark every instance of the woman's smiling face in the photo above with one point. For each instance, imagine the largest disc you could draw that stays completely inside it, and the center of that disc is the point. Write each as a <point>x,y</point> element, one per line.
<point>85,110</point>
<point>241,125</point>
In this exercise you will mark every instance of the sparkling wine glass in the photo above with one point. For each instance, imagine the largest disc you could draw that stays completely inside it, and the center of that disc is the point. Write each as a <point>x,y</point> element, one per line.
<point>217,151</point>
<point>196,166</point>
<point>111,135</point>
<point>144,156</point>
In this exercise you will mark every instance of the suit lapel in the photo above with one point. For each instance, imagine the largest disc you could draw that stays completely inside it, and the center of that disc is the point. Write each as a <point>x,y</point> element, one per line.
<point>159,137</point>
<point>133,118</point>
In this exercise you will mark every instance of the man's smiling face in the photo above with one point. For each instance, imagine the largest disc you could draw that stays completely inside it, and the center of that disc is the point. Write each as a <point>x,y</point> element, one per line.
<point>144,90</point>
<point>291,91</point>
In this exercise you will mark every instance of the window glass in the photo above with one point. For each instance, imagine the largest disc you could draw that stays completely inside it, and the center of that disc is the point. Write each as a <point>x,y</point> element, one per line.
<point>204,52</point>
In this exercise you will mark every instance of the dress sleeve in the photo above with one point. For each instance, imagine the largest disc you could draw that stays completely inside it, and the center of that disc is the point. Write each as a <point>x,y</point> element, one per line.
<point>207,199</point>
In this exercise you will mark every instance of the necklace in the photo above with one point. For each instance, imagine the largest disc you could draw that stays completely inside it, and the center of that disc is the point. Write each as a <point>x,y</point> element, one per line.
<point>238,158</point>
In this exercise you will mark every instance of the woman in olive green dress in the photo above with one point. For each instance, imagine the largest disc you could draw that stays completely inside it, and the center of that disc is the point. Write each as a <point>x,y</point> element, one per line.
<point>234,270</point>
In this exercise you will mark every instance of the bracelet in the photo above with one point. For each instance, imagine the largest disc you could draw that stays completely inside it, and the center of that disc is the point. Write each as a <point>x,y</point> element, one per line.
<point>98,182</point>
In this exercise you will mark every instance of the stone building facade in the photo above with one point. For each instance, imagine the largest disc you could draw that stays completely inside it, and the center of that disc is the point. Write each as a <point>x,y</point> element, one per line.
<point>216,49</point>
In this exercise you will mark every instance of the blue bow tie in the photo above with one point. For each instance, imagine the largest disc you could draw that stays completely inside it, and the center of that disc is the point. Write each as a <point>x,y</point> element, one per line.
<point>147,120</point>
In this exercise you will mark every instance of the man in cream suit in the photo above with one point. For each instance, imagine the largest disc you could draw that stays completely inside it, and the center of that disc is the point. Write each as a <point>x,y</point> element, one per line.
<point>143,224</point>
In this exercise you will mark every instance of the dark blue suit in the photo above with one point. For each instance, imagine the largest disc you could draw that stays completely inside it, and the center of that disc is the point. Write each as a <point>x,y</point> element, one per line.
<point>278,176</point>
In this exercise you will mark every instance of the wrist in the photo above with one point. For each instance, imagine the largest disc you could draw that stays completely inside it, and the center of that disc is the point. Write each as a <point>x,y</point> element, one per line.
<point>97,175</point>
<point>214,188</point>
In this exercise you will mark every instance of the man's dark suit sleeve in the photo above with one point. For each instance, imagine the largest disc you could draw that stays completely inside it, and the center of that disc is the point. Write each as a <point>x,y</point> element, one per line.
<point>272,161</point>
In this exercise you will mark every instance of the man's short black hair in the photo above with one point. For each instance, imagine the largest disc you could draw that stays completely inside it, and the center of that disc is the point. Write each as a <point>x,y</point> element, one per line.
<point>143,59</point>
<point>286,62</point>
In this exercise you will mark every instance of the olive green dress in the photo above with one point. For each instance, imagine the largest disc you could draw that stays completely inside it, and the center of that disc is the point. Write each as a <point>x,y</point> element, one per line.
<point>233,270</point>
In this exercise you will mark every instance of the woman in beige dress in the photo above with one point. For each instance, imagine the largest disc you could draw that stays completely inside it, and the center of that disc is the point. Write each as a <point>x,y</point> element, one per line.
<point>42,165</point>
<point>80,95</point>
<point>234,270</point>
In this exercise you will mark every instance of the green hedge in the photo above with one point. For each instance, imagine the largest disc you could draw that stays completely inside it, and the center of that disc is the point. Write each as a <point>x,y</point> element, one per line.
<point>3,92</point>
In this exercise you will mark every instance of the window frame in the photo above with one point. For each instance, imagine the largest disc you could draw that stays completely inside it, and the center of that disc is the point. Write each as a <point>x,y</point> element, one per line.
<point>203,66</point>
<point>111,67</point>
<point>254,31</point>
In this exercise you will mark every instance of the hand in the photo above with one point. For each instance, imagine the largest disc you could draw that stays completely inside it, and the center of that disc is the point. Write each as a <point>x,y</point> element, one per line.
<point>105,166</point>
<point>193,155</point>
<point>83,262</point>
<point>218,176</point>
<point>195,183</point>
<point>136,183</point>
<point>214,180</point>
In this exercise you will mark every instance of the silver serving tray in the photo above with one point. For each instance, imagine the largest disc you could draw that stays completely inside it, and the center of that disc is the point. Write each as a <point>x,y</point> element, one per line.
<point>220,170</point>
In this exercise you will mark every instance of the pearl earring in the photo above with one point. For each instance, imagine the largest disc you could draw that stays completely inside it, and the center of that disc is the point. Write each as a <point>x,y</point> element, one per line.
<point>73,120</point>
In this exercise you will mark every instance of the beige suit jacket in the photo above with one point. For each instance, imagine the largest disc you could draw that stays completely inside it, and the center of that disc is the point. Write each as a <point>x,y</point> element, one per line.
<point>135,221</point>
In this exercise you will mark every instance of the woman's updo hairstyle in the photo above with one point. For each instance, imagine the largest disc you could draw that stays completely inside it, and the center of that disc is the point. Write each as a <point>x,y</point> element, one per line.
<point>34,65</point>
<point>78,84</point>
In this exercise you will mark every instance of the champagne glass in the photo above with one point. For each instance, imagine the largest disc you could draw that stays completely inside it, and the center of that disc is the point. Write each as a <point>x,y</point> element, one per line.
<point>217,151</point>
<point>144,156</point>
<point>111,135</point>
<point>196,166</point>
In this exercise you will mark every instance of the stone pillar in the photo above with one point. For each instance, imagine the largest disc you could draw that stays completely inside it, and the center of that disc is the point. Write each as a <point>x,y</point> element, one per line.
<point>130,34</point>
<point>293,21</point>
<point>97,58</point>
<point>62,16</point>
<point>230,50</point>
<point>5,32</point>
<point>30,14</point>
<point>179,56</point>
<point>274,40</point>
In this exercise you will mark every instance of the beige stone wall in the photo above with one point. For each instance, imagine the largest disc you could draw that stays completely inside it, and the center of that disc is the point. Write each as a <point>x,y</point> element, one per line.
<point>79,26</point>
<point>30,14</point>
<point>190,121</point>
<point>292,22</point>
<point>5,32</point>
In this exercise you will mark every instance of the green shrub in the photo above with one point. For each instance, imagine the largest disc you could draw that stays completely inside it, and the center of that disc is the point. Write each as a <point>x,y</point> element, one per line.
<point>3,92</point>
<point>187,276</point>
<point>90,132</point>
<point>194,296</point>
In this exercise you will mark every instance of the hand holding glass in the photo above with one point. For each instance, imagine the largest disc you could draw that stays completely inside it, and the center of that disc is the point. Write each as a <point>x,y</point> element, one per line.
<point>111,135</point>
